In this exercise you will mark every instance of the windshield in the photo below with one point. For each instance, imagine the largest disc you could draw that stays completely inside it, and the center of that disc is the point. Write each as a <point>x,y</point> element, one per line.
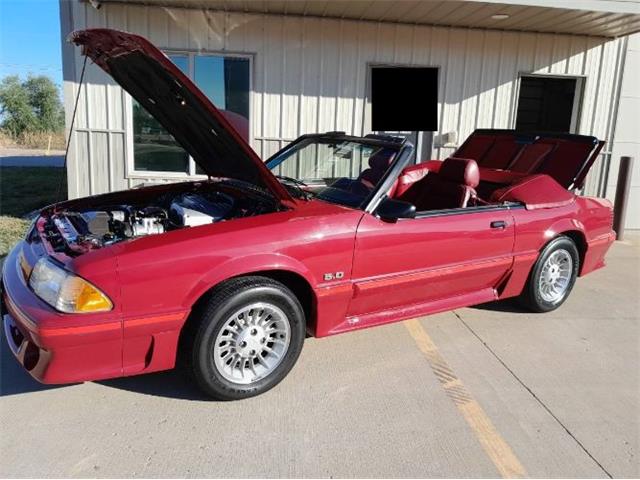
<point>338,171</point>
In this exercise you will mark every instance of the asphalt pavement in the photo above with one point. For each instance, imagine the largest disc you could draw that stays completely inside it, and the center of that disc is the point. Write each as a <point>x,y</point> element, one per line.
<point>20,157</point>
<point>488,391</point>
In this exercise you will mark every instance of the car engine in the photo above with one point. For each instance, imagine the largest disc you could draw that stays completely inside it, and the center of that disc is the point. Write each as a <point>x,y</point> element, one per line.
<point>193,209</point>
<point>81,231</point>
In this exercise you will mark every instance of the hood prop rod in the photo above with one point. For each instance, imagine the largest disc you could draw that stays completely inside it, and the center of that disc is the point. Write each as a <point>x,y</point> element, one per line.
<point>64,176</point>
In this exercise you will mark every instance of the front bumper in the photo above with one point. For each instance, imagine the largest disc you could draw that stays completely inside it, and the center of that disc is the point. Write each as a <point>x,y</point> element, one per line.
<point>55,347</point>
<point>33,358</point>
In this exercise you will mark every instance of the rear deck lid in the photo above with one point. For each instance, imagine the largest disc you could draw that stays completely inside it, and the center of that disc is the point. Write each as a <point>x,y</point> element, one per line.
<point>180,107</point>
<point>566,158</point>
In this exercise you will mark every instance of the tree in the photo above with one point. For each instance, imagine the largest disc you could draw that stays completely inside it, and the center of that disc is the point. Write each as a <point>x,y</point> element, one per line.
<point>43,98</point>
<point>30,106</point>
<point>18,116</point>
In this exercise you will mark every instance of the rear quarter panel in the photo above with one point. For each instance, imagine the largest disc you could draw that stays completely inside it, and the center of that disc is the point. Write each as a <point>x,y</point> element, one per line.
<point>589,219</point>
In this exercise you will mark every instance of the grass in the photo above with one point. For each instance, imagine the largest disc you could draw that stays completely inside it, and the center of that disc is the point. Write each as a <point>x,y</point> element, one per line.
<point>12,229</point>
<point>23,190</point>
<point>39,140</point>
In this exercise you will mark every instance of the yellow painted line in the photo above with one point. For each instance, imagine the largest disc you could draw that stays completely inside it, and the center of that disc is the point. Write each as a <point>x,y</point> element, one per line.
<point>492,442</point>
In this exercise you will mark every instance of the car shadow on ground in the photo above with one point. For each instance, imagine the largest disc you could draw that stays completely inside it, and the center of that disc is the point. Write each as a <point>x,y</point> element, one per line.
<point>506,306</point>
<point>171,384</point>
<point>15,380</point>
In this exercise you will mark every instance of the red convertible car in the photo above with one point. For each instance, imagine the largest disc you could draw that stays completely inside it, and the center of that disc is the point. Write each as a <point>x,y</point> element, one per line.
<point>333,233</point>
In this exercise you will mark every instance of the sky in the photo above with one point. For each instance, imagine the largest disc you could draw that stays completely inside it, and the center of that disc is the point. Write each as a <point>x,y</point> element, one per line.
<point>30,38</point>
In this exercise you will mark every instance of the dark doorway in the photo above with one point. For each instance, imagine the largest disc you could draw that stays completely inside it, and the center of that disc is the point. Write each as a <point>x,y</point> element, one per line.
<point>547,104</point>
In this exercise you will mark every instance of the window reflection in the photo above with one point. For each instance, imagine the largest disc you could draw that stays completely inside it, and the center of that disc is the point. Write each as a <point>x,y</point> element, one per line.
<point>154,149</point>
<point>224,80</point>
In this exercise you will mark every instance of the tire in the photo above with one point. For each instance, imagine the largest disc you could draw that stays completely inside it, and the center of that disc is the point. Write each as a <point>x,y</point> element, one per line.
<point>547,287</point>
<point>247,317</point>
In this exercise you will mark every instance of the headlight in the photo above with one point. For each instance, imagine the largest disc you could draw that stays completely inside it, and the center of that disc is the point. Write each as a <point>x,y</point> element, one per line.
<point>65,291</point>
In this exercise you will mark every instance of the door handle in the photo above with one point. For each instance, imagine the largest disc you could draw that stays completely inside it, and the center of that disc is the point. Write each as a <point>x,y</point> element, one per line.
<point>501,224</point>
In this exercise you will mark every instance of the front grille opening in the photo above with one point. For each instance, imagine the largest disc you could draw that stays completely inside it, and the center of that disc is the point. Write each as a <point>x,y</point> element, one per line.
<point>16,335</point>
<point>31,356</point>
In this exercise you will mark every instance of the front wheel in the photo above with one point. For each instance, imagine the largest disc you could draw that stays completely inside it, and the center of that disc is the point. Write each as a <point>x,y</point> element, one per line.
<point>553,276</point>
<point>245,339</point>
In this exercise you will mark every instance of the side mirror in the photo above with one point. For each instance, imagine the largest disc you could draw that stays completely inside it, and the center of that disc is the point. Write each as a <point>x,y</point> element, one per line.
<point>391,210</point>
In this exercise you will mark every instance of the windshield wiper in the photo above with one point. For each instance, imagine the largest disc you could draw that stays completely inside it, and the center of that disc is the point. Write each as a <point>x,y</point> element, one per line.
<point>299,184</point>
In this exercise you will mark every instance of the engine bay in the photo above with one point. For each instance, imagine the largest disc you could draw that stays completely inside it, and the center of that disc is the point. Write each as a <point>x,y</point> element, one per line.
<point>79,230</point>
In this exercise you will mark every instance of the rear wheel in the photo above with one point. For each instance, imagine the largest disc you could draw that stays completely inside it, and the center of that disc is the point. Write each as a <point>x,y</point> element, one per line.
<point>245,339</point>
<point>553,276</point>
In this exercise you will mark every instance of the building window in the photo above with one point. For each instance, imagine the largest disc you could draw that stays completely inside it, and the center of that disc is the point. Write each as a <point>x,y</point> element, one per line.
<point>548,104</point>
<point>225,80</point>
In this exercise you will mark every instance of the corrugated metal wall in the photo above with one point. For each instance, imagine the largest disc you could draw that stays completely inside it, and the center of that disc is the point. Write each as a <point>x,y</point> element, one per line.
<point>310,75</point>
<point>627,132</point>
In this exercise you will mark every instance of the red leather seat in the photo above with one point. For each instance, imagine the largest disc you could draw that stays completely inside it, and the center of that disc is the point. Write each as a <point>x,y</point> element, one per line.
<point>408,177</point>
<point>411,175</point>
<point>452,187</point>
<point>378,164</point>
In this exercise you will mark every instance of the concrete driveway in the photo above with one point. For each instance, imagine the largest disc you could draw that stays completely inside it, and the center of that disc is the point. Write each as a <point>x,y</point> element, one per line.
<point>479,392</point>
<point>22,157</point>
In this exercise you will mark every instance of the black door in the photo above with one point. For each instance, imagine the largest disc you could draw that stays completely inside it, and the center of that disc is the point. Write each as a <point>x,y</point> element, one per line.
<point>546,104</point>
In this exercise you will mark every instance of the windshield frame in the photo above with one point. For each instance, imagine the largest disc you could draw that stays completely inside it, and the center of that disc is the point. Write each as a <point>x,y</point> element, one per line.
<point>402,148</point>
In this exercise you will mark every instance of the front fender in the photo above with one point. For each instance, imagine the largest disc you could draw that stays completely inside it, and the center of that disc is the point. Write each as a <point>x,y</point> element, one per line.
<point>246,265</point>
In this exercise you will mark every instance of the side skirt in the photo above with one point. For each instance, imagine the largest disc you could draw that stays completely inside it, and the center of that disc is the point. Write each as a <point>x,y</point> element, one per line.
<point>416,310</point>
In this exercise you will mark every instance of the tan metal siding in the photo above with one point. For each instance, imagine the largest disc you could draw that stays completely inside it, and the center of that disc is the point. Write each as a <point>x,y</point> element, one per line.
<point>310,74</point>
<point>627,131</point>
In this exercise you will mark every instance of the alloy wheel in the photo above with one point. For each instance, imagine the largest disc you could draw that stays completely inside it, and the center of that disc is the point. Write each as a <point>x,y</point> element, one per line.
<point>252,343</point>
<point>555,276</point>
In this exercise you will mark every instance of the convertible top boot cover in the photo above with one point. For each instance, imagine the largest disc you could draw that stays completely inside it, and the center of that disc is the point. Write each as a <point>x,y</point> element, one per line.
<point>535,192</point>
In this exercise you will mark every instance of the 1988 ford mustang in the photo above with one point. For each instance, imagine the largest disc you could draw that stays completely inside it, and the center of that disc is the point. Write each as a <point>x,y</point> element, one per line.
<point>333,233</point>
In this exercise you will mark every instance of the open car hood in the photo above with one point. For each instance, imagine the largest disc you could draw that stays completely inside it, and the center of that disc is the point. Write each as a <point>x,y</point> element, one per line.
<point>566,158</point>
<point>180,107</point>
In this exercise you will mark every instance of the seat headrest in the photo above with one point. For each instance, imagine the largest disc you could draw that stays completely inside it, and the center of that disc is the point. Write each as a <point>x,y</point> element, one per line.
<point>381,159</point>
<point>460,170</point>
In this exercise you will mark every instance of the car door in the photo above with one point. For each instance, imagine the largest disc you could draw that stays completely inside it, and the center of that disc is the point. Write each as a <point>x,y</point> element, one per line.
<point>459,255</point>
